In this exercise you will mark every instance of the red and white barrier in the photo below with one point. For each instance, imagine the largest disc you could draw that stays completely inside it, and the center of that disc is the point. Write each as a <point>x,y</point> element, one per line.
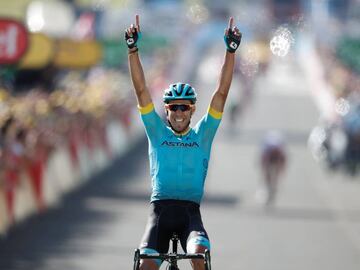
<point>42,185</point>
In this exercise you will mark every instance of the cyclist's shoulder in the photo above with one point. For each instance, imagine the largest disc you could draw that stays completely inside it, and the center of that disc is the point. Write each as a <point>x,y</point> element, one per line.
<point>149,113</point>
<point>210,119</point>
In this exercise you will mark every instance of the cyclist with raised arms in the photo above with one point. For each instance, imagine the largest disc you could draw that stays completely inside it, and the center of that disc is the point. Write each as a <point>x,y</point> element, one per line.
<point>178,154</point>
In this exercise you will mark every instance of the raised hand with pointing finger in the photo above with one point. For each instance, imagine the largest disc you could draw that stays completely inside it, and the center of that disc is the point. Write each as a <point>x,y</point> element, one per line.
<point>133,34</point>
<point>232,37</point>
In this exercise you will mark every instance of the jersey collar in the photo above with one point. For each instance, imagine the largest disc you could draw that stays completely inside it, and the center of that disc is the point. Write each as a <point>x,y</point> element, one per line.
<point>182,133</point>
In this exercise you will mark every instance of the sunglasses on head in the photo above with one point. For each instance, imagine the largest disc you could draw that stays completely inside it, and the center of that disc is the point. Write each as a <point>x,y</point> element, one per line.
<point>181,107</point>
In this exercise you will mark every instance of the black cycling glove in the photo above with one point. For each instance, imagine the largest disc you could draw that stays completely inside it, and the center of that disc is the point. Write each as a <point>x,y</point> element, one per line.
<point>131,41</point>
<point>232,41</point>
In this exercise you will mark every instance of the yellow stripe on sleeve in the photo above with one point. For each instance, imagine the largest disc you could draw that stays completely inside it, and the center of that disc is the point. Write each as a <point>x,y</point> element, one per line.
<point>214,113</point>
<point>147,109</point>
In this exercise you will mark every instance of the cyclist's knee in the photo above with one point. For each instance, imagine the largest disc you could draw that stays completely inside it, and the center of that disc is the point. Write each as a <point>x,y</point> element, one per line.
<point>149,264</point>
<point>200,249</point>
<point>198,244</point>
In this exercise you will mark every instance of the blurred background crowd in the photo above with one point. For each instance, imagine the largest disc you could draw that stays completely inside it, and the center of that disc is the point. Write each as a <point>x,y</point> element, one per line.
<point>336,140</point>
<point>64,94</point>
<point>64,79</point>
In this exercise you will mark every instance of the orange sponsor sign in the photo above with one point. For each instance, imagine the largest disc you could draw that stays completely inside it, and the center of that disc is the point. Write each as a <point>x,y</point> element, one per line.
<point>39,54</point>
<point>77,54</point>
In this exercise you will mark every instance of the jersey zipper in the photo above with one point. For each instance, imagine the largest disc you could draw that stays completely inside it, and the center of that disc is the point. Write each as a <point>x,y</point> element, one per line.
<point>180,170</point>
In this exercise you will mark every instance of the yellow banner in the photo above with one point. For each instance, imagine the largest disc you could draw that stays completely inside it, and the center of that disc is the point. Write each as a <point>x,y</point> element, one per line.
<point>39,53</point>
<point>77,54</point>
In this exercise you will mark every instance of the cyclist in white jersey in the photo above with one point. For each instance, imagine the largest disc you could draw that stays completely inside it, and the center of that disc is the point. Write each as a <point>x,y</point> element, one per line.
<point>178,153</point>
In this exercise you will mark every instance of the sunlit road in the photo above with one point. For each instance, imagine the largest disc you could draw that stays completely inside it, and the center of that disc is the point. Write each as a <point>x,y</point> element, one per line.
<point>315,223</point>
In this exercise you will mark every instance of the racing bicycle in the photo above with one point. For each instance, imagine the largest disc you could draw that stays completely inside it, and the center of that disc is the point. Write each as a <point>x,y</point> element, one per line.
<point>172,257</point>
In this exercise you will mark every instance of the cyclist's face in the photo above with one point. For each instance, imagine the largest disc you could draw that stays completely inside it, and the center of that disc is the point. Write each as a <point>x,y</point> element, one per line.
<point>179,113</point>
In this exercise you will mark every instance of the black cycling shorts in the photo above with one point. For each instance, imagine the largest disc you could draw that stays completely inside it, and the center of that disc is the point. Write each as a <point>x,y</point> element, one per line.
<point>172,216</point>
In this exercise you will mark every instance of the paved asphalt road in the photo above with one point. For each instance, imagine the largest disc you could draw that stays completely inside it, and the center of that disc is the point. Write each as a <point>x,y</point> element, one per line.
<point>314,224</point>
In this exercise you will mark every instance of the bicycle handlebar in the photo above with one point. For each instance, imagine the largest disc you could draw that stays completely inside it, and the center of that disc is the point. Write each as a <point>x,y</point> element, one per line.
<point>172,256</point>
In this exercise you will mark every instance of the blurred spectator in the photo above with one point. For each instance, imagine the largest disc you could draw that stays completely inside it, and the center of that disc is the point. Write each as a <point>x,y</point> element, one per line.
<point>342,74</point>
<point>13,158</point>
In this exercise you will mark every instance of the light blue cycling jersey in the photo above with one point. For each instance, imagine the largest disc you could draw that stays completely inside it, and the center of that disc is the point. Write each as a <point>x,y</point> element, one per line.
<point>178,163</point>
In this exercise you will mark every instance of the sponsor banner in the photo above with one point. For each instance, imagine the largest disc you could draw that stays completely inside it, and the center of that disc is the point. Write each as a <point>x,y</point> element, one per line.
<point>348,50</point>
<point>115,50</point>
<point>77,54</point>
<point>39,54</point>
<point>13,41</point>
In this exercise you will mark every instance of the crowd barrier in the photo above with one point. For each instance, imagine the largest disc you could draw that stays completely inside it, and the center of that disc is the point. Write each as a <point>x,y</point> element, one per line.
<point>45,182</point>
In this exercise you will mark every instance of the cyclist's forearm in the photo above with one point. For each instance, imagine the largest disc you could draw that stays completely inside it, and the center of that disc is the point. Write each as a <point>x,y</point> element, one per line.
<point>138,78</point>
<point>136,72</point>
<point>224,83</point>
<point>226,73</point>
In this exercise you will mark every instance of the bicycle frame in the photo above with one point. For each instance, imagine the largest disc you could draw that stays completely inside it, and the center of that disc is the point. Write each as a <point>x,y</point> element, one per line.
<point>173,257</point>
